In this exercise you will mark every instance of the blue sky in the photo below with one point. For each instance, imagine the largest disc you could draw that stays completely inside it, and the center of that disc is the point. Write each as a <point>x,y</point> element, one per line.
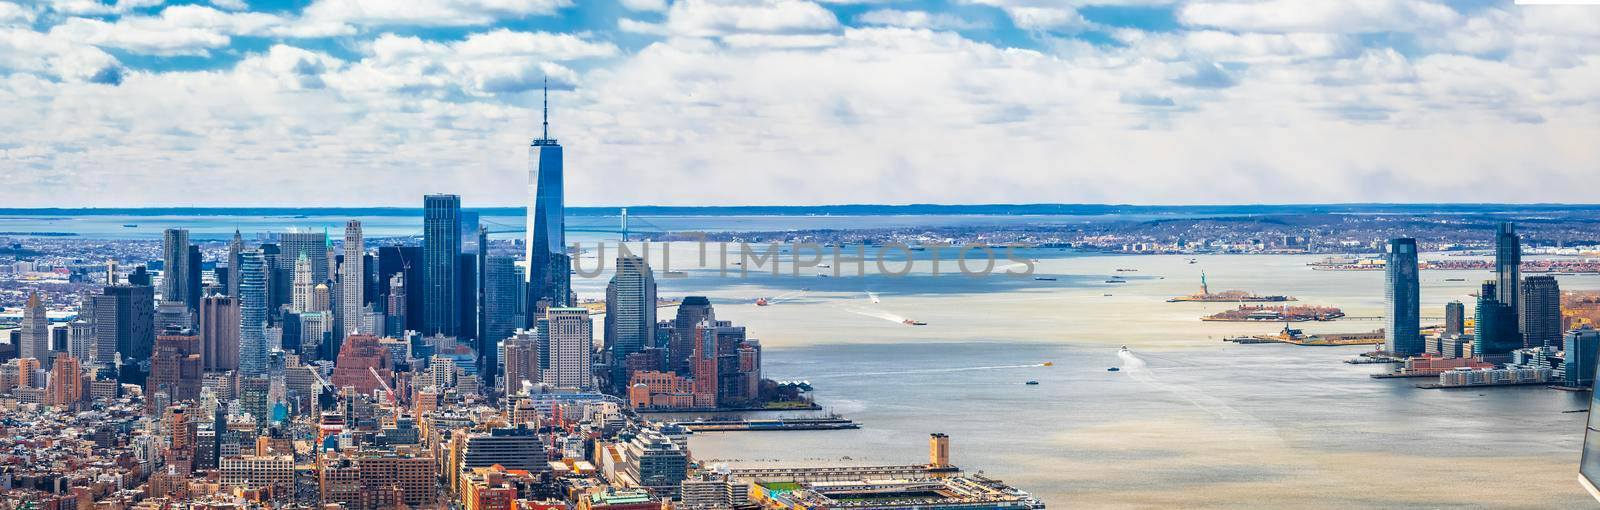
<point>375,102</point>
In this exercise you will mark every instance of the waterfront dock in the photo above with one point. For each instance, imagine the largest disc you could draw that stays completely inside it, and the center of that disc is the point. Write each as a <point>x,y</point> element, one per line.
<point>1403,375</point>
<point>829,423</point>
<point>1437,386</point>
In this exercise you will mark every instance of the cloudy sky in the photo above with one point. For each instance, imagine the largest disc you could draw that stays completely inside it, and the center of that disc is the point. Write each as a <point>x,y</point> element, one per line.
<point>376,102</point>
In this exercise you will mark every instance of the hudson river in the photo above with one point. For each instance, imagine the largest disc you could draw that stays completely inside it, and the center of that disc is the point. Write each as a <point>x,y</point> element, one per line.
<point>1189,421</point>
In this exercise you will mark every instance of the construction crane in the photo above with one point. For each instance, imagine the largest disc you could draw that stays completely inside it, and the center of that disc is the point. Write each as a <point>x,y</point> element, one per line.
<point>386,389</point>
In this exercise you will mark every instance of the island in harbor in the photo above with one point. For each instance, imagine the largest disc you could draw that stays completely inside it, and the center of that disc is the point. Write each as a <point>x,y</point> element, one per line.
<point>1227,296</point>
<point>1276,313</point>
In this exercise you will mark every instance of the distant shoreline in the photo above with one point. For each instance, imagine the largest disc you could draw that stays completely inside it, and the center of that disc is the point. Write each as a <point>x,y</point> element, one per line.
<point>838,210</point>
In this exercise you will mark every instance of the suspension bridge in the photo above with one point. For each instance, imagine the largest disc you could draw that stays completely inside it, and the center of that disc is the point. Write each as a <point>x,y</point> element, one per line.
<point>627,229</point>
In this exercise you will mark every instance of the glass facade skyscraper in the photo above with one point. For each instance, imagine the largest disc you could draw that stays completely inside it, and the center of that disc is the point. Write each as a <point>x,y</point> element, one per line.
<point>1401,289</point>
<point>441,249</point>
<point>549,278</point>
<point>252,314</point>
<point>502,289</point>
<point>1495,326</point>
<point>1540,312</point>
<point>1508,265</point>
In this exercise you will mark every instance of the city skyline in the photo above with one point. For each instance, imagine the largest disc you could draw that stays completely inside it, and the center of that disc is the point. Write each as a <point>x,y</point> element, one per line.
<point>1346,102</point>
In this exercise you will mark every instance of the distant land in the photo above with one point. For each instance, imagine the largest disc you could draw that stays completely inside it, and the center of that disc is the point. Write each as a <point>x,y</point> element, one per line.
<point>848,210</point>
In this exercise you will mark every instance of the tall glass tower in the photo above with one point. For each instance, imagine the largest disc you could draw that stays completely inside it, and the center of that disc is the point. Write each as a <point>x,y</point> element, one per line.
<point>1402,335</point>
<point>441,247</point>
<point>252,314</point>
<point>549,267</point>
<point>1508,265</point>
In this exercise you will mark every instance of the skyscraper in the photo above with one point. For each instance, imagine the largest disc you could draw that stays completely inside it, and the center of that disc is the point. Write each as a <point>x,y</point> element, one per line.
<point>571,342</point>
<point>405,260</point>
<point>502,290</point>
<point>352,279</point>
<point>522,360</point>
<point>1402,336</point>
<point>124,322</point>
<point>175,365</point>
<point>1508,265</point>
<point>193,282</point>
<point>441,249</point>
<point>1455,318</point>
<point>35,331</point>
<point>291,245</point>
<point>1540,312</point>
<point>630,314</point>
<point>66,382</point>
<point>252,315</point>
<point>680,347</point>
<point>1583,346</point>
<point>1495,332</point>
<point>175,265</point>
<point>300,296</point>
<point>219,333</point>
<point>549,278</point>
<point>235,247</point>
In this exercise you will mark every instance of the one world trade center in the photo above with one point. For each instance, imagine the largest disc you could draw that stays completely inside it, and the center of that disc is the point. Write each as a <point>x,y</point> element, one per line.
<point>549,267</point>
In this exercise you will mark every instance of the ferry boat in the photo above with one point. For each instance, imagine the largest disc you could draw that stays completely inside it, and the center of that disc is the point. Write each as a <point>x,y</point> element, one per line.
<point>910,322</point>
<point>1049,363</point>
<point>130,225</point>
<point>1113,369</point>
<point>1045,278</point>
<point>1116,281</point>
<point>762,302</point>
<point>1032,383</point>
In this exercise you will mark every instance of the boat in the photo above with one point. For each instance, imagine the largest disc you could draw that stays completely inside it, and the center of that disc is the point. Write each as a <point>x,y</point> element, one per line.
<point>1113,369</point>
<point>910,322</point>
<point>1116,281</point>
<point>1032,383</point>
<point>130,225</point>
<point>824,266</point>
<point>1045,278</point>
<point>1049,364</point>
<point>1124,270</point>
<point>1106,295</point>
<point>1124,349</point>
<point>762,302</point>
<point>822,275</point>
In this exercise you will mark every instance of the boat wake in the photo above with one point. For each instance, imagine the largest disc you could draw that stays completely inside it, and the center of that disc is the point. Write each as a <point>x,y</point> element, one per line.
<point>879,314</point>
<point>787,296</point>
<point>1136,368</point>
<point>873,296</point>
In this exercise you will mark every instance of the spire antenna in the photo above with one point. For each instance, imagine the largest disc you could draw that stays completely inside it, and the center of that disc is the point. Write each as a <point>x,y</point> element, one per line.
<point>546,107</point>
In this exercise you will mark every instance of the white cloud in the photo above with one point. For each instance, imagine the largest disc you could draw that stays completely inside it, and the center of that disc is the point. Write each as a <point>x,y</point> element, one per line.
<point>485,64</point>
<point>709,18</point>
<point>426,12</point>
<point>12,14</point>
<point>918,19</point>
<point>778,103</point>
<point>141,36</point>
<point>232,5</point>
<point>1346,16</point>
<point>32,52</point>
<point>1039,15</point>
<point>645,5</point>
<point>99,8</point>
